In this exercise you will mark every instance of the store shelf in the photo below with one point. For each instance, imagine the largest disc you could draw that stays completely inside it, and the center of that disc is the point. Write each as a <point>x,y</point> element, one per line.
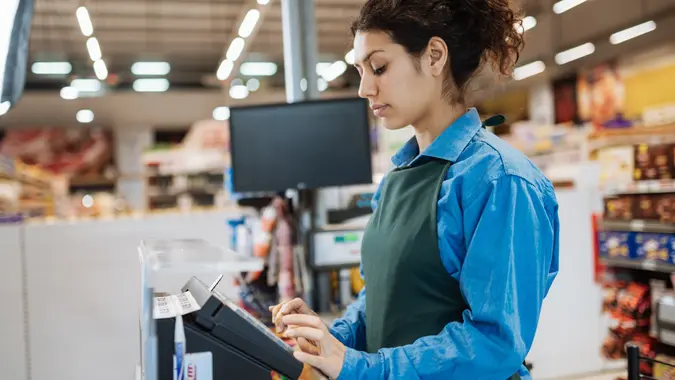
<point>649,265</point>
<point>630,136</point>
<point>640,187</point>
<point>637,226</point>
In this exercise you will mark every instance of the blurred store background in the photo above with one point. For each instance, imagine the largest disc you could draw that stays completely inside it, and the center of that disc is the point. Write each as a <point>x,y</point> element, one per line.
<point>122,134</point>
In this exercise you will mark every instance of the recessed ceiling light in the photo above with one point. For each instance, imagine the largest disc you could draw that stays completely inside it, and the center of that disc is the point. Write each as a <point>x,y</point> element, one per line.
<point>151,85</point>
<point>258,69</point>
<point>51,68</point>
<point>221,113</point>
<point>225,69</point>
<point>82,15</point>
<point>238,92</point>
<point>632,32</point>
<point>150,68</point>
<point>69,93</point>
<point>574,53</point>
<point>85,116</point>
<point>86,85</point>
<point>529,70</point>
<point>563,6</point>
<point>248,23</point>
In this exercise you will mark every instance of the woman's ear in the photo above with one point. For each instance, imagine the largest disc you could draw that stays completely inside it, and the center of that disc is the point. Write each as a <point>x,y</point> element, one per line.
<point>437,52</point>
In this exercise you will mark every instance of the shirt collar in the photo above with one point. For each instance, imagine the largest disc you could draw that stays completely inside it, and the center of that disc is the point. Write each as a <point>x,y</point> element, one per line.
<point>448,146</point>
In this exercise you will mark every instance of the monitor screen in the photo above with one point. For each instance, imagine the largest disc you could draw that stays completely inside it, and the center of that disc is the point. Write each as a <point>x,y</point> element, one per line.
<point>304,145</point>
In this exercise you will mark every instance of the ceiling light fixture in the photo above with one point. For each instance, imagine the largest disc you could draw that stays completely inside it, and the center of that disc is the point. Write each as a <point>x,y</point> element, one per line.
<point>85,116</point>
<point>531,69</point>
<point>51,68</point>
<point>94,49</point>
<point>86,27</point>
<point>632,32</point>
<point>221,113</point>
<point>225,69</point>
<point>349,57</point>
<point>249,22</point>
<point>235,49</point>
<point>528,23</point>
<point>238,92</point>
<point>574,53</point>
<point>69,93</point>
<point>100,69</point>
<point>150,68</point>
<point>258,69</point>
<point>86,85</point>
<point>151,85</point>
<point>263,2</point>
<point>563,6</point>
<point>334,71</point>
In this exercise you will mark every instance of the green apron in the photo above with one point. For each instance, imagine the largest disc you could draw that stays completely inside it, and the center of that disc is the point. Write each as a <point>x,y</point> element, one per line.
<point>409,292</point>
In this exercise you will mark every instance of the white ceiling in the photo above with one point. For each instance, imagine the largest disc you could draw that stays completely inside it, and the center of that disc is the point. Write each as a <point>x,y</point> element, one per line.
<point>193,34</point>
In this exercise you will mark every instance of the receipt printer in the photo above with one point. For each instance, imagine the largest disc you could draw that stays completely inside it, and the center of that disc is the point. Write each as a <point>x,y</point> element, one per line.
<point>238,345</point>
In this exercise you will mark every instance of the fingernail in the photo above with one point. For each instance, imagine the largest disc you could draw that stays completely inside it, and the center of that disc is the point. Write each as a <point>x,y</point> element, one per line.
<point>283,308</point>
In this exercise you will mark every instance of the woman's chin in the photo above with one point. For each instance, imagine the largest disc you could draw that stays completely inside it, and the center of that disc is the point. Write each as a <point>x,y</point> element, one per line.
<point>392,124</point>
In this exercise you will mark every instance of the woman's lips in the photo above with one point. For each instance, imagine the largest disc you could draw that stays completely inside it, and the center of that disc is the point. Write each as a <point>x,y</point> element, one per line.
<point>379,109</point>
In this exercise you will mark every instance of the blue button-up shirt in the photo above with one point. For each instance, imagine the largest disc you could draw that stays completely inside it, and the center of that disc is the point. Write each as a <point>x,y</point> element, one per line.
<point>498,237</point>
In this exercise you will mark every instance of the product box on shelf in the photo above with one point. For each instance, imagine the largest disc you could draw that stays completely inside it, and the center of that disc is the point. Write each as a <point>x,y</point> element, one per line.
<point>658,247</point>
<point>620,207</point>
<point>616,164</point>
<point>665,208</point>
<point>646,206</point>
<point>615,244</point>
<point>654,162</point>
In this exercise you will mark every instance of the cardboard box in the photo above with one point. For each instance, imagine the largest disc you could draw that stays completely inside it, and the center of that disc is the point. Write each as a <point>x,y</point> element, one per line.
<point>615,244</point>
<point>620,207</point>
<point>657,247</point>
<point>654,162</point>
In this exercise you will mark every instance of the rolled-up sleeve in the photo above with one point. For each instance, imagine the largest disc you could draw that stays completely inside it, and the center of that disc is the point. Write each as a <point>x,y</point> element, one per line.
<point>511,239</point>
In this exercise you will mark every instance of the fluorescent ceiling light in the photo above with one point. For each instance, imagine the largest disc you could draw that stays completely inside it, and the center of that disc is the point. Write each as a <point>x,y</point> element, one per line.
<point>248,23</point>
<point>349,57</point>
<point>238,92</point>
<point>84,20</point>
<point>69,93</point>
<point>221,113</point>
<point>263,2</point>
<point>85,116</point>
<point>100,69</point>
<point>529,70</point>
<point>303,84</point>
<point>322,84</point>
<point>574,53</point>
<point>334,70</point>
<point>86,85</point>
<point>565,5</point>
<point>632,32</point>
<point>151,85</point>
<point>225,69</point>
<point>253,84</point>
<point>529,22</point>
<point>4,107</point>
<point>322,66</point>
<point>150,68</point>
<point>51,68</point>
<point>94,49</point>
<point>235,49</point>
<point>258,69</point>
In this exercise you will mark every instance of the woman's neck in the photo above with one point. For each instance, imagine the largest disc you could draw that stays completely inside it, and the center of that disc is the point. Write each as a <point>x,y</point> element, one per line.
<point>435,121</point>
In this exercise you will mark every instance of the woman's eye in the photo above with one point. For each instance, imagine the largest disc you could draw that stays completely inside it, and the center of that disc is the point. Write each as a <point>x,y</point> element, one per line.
<point>379,71</point>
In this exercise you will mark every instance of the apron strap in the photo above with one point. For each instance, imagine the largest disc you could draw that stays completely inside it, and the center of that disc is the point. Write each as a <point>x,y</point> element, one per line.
<point>494,121</point>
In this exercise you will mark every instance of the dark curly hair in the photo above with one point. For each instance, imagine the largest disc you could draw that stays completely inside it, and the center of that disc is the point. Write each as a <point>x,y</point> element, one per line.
<point>475,31</point>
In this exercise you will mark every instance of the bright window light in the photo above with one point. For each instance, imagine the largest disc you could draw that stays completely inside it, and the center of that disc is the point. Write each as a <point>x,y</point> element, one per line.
<point>85,116</point>
<point>82,15</point>
<point>565,5</point>
<point>235,49</point>
<point>258,69</point>
<point>248,23</point>
<point>69,93</point>
<point>225,69</point>
<point>86,85</point>
<point>150,68</point>
<point>51,68</point>
<point>574,53</point>
<point>238,92</point>
<point>94,49</point>
<point>151,85</point>
<point>529,70</point>
<point>632,32</point>
<point>221,113</point>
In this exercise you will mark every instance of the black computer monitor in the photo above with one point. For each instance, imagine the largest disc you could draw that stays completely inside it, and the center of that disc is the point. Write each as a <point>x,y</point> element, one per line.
<point>305,145</point>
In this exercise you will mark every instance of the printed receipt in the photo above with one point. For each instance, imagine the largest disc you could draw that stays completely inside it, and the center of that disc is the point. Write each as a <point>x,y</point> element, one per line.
<point>173,305</point>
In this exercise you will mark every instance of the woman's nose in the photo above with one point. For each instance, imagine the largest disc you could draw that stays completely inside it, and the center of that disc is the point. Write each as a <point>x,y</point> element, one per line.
<point>367,87</point>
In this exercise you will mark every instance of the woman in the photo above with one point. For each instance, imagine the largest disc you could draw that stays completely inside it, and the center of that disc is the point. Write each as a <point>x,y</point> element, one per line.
<point>463,243</point>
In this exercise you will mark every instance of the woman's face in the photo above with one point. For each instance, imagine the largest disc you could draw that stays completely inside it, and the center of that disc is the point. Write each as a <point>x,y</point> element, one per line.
<point>398,93</point>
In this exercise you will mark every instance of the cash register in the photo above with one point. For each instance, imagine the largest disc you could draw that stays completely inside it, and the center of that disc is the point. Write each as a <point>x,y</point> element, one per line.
<point>241,347</point>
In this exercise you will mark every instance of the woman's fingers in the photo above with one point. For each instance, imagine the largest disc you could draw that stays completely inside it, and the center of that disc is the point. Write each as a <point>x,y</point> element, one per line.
<point>309,333</point>
<point>295,306</point>
<point>304,320</point>
<point>307,346</point>
<point>313,360</point>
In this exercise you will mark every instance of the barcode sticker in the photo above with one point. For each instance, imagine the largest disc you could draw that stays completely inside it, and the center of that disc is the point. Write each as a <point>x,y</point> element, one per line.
<point>170,306</point>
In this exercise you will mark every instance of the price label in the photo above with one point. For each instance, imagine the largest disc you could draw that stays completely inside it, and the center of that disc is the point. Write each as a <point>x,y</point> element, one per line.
<point>177,304</point>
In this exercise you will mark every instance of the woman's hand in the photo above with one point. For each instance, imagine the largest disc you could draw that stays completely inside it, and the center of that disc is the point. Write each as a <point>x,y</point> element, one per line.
<point>319,348</point>
<point>295,306</point>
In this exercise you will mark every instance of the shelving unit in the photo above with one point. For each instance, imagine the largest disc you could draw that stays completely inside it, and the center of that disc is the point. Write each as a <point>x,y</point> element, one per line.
<point>26,191</point>
<point>637,225</point>
<point>648,265</point>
